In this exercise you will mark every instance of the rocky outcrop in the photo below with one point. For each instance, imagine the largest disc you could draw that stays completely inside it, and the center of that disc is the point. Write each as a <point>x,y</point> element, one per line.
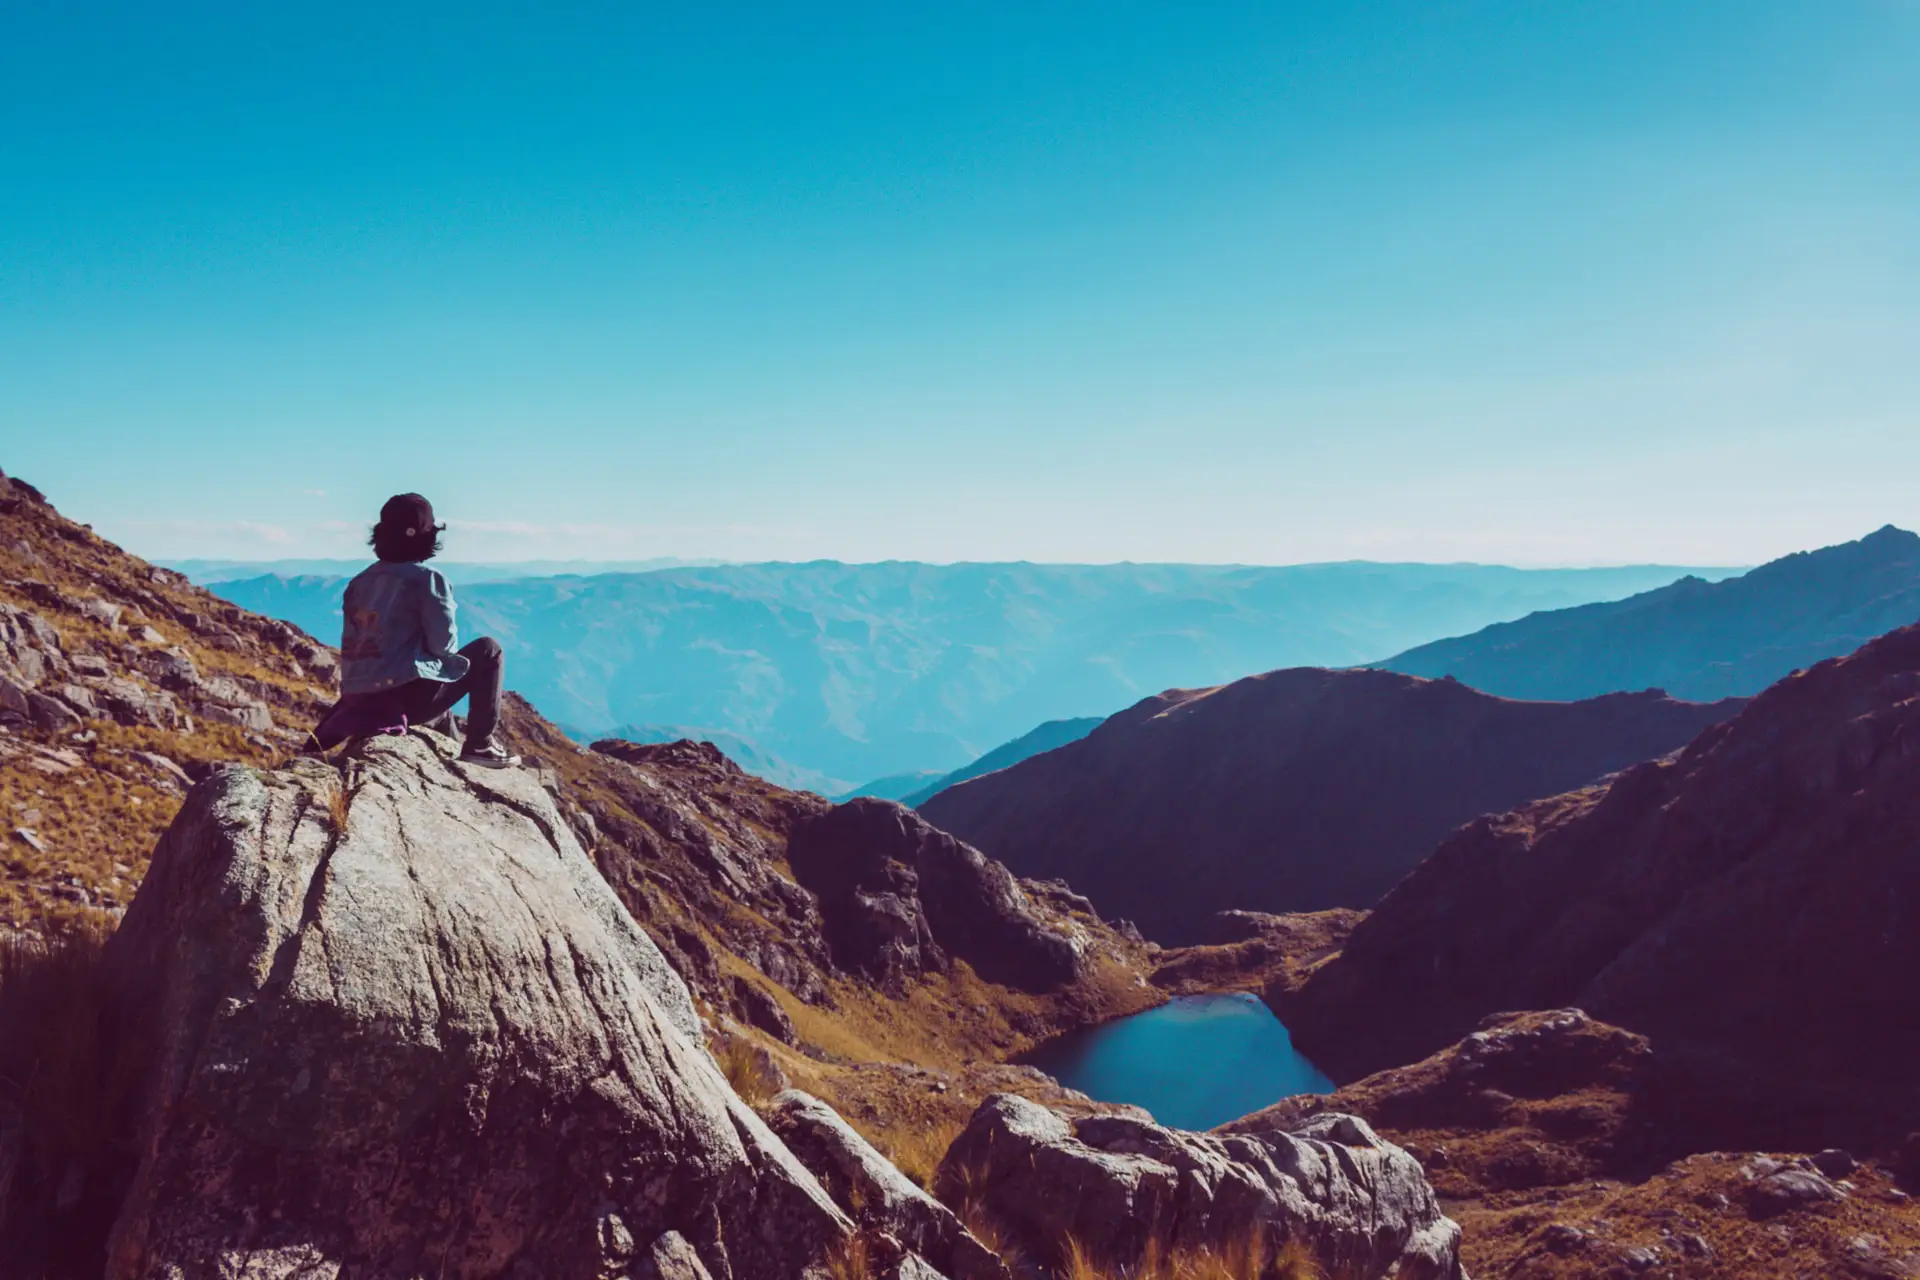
<point>92,638</point>
<point>1527,1100</point>
<point>876,1195</point>
<point>1252,951</point>
<point>900,897</point>
<point>1546,1136</point>
<point>1294,791</point>
<point>1120,1186</point>
<point>1748,906</point>
<point>404,1028</point>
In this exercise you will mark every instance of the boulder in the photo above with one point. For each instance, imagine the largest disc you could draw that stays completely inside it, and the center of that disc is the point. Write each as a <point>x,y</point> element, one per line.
<point>671,1258</point>
<point>759,1009</point>
<point>875,1194</point>
<point>406,1029</point>
<point>1120,1185</point>
<point>51,714</point>
<point>900,896</point>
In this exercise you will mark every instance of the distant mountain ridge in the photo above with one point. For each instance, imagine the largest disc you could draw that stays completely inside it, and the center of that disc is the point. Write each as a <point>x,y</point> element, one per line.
<point>1296,790</point>
<point>206,572</point>
<point>1047,737</point>
<point>914,789</point>
<point>1695,639</point>
<point>859,672</point>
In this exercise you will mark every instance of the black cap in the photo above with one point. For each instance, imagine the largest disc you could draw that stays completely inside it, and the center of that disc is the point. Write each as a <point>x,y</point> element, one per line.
<point>410,514</point>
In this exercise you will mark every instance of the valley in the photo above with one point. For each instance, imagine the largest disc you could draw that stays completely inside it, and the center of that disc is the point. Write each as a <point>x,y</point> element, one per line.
<point>835,675</point>
<point>1599,987</point>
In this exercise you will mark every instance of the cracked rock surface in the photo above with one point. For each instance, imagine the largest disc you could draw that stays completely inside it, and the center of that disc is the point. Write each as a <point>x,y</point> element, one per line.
<point>1122,1186</point>
<point>426,1040</point>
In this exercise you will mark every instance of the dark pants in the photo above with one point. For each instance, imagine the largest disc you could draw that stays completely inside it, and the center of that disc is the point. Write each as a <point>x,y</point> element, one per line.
<point>419,701</point>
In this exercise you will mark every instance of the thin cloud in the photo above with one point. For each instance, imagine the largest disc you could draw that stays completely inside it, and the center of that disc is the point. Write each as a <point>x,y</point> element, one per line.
<point>271,533</point>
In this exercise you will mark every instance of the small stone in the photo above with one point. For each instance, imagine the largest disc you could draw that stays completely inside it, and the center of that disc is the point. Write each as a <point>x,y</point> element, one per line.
<point>1563,1237</point>
<point>1642,1259</point>
<point>1835,1163</point>
<point>1693,1246</point>
<point>149,635</point>
<point>168,768</point>
<point>30,838</point>
<point>1791,1189</point>
<point>104,612</point>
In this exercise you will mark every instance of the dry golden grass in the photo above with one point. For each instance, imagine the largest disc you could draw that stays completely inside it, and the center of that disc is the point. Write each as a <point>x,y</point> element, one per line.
<point>917,1149</point>
<point>969,1204</point>
<point>1077,1263</point>
<point>1247,1258</point>
<point>339,799</point>
<point>745,1066</point>
<point>852,1259</point>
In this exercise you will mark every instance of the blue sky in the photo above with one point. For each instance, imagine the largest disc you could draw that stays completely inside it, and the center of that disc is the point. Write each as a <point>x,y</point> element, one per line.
<point>1542,283</point>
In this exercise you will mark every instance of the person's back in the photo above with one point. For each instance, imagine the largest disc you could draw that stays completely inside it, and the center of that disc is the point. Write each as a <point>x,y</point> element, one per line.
<point>398,660</point>
<point>398,625</point>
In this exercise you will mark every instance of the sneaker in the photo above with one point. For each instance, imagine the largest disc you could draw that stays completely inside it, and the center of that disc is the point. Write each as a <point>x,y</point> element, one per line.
<point>489,755</point>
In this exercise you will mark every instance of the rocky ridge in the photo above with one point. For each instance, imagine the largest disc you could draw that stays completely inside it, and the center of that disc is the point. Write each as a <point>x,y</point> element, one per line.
<point>1127,1190</point>
<point>384,1018</point>
<point>1297,790</point>
<point>1747,905</point>
<point>1546,1135</point>
<point>119,683</point>
<point>1693,638</point>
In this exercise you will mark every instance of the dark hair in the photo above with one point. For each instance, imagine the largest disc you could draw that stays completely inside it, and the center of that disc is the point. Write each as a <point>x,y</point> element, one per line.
<point>390,543</point>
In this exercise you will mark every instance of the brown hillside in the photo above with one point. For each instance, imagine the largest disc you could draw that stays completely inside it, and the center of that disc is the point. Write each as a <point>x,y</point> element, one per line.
<point>1750,906</point>
<point>1297,790</point>
<point>1542,1135</point>
<point>120,683</point>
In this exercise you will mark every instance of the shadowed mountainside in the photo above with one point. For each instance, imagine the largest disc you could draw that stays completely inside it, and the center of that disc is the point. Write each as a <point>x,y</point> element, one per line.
<point>1054,733</point>
<point>1292,791</point>
<point>1695,639</point>
<point>1749,905</point>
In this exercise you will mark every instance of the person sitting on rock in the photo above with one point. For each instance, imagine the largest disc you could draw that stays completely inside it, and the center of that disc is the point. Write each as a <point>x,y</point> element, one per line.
<point>398,664</point>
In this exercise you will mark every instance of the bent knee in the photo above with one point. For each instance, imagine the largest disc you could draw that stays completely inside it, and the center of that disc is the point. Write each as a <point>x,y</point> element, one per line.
<point>485,649</point>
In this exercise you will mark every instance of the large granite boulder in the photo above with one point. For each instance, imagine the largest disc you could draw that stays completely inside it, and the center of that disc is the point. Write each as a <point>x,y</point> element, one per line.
<point>1121,1187</point>
<point>876,1195</point>
<point>403,1028</point>
<point>901,897</point>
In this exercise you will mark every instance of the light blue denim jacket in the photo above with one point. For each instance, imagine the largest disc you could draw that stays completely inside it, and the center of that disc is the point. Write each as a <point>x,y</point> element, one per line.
<point>398,626</point>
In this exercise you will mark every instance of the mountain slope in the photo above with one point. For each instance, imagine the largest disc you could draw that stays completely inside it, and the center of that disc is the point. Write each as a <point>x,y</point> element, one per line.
<point>119,684</point>
<point>857,671</point>
<point>1054,733</point>
<point>1749,905</point>
<point>1695,639</point>
<point>1292,791</point>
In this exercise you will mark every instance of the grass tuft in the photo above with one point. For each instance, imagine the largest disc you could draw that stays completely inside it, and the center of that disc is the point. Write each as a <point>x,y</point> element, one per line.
<point>918,1151</point>
<point>339,800</point>
<point>851,1259</point>
<point>747,1069</point>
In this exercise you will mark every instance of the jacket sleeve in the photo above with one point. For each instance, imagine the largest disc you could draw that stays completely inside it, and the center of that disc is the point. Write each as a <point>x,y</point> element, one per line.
<point>436,620</point>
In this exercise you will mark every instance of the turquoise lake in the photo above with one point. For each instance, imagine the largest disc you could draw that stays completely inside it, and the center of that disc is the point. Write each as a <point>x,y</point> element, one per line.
<point>1194,1062</point>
